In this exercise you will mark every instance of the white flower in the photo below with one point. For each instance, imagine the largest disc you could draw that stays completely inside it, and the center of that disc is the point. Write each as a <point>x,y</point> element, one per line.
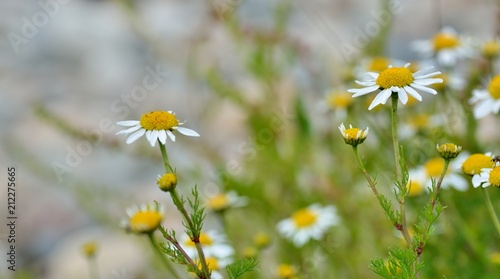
<point>213,243</point>
<point>222,201</point>
<point>353,136</point>
<point>487,100</point>
<point>156,125</point>
<point>143,219</point>
<point>308,223</point>
<point>446,46</point>
<point>421,177</point>
<point>473,164</point>
<point>487,177</point>
<point>398,80</point>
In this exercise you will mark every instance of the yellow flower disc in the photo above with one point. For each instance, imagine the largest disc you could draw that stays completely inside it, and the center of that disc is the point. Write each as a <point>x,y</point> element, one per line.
<point>475,163</point>
<point>434,167</point>
<point>494,87</point>
<point>145,221</point>
<point>159,120</point>
<point>399,77</point>
<point>444,40</point>
<point>218,202</point>
<point>495,177</point>
<point>304,218</point>
<point>378,64</point>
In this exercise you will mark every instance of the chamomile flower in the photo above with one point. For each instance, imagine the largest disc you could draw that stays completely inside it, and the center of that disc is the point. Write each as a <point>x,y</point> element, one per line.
<point>214,265</point>
<point>213,243</point>
<point>487,100</point>
<point>397,80</point>
<point>286,271</point>
<point>157,125</point>
<point>491,49</point>
<point>337,101</point>
<point>223,201</point>
<point>353,136</point>
<point>446,46</point>
<point>144,219</point>
<point>421,177</point>
<point>474,163</point>
<point>308,223</point>
<point>487,177</point>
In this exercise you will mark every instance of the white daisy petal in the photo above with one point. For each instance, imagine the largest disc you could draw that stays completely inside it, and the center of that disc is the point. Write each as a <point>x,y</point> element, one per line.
<point>381,98</point>
<point>187,132</point>
<point>135,136</point>
<point>128,123</point>
<point>428,81</point>
<point>365,83</point>
<point>413,93</point>
<point>130,130</point>
<point>153,137</point>
<point>403,96</point>
<point>423,88</point>
<point>162,136</point>
<point>170,135</point>
<point>362,91</point>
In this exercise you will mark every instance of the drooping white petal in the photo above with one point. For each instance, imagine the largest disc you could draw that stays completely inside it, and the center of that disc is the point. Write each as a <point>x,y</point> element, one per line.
<point>153,137</point>
<point>381,98</point>
<point>130,130</point>
<point>428,81</point>
<point>128,123</point>
<point>413,93</point>
<point>187,132</point>
<point>135,136</point>
<point>170,135</point>
<point>423,88</point>
<point>482,109</point>
<point>162,136</point>
<point>363,91</point>
<point>365,83</point>
<point>403,96</point>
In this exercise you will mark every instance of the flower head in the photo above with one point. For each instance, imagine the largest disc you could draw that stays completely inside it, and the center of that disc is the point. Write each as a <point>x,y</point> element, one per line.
<point>448,150</point>
<point>491,49</point>
<point>144,219</point>
<point>157,125</point>
<point>89,249</point>
<point>353,136</point>
<point>476,162</point>
<point>487,100</point>
<point>397,80</point>
<point>286,271</point>
<point>422,177</point>
<point>446,46</point>
<point>487,177</point>
<point>167,182</point>
<point>223,201</point>
<point>308,223</point>
<point>214,245</point>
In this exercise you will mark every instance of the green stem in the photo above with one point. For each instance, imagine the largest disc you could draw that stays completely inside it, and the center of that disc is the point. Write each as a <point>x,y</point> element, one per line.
<point>395,140</point>
<point>440,181</point>
<point>195,234</point>
<point>491,210</point>
<point>161,255</point>
<point>371,183</point>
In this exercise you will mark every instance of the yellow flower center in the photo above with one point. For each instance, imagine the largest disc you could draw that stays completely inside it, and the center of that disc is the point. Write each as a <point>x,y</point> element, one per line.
<point>444,40</point>
<point>304,218</point>
<point>491,49</point>
<point>145,221</point>
<point>89,249</point>
<point>415,187</point>
<point>475,163</point>
<point>261,240</point>
<point>390,77</point>
<point>419,121</point>
<point>212,263</point>
<point>495,177</point>
<point>340,100</point>
<point>159,120</point>
<point>494,87</point>
<point>352,133</point>
<point>434,167</point>
<point>286,271</point>
<point>378,64</point>
<point>205,239</point>
<point>218,202</point>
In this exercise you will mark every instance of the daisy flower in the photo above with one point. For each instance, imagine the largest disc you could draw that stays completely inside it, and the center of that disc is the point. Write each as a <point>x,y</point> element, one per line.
<point>421,177</point>
<point>491,49</point>
<point>286,271</point>
<point>144,219</point>
<point>337,101</point>
<point>213,243</point>
<point>157,125</point>
<point>474,163</point>
<point>487,177</point>
<point>308,223</point>
<point>353,136</point>
<point>397,80</point>
<point>223,201</point>
<point>487,100</point>
<point>446,46</point>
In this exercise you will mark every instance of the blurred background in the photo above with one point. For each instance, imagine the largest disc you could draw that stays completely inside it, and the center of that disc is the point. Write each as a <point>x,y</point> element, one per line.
<point>72,68</point>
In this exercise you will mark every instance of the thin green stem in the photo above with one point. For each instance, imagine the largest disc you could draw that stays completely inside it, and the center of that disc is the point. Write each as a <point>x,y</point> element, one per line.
<point>162,258</point>
<point>491,210</point>
<point>195,236</point>
<point>370,181</point>
<point>440,181</point>
<point>395,140</point>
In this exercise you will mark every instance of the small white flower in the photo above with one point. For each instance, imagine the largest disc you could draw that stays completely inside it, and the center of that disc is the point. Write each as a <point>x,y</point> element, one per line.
<point>308,223</point>
<point>421,177</point>
<point>143,219</point>
<point>398,80</point>
<point>214,244</point>
<point>487,177</point>
<point>353,136</point>
<point>157,125</point>
<point>487,100</point>
<point>222,201</point>
<point>446,46</point>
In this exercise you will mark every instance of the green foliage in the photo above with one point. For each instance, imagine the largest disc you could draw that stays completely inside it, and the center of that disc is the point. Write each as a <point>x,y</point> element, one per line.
<point>241,266</point>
